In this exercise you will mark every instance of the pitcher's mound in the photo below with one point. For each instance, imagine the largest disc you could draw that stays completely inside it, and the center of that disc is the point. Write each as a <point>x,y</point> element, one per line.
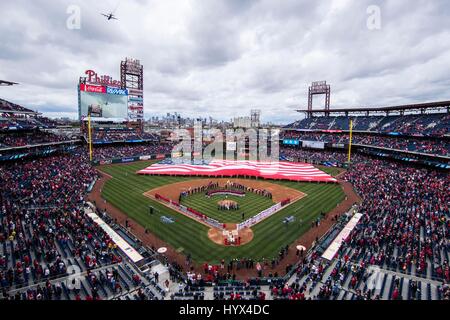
<point>218,236</point>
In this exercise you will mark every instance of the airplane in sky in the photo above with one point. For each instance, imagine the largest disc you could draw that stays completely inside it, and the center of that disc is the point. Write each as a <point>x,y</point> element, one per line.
<point>110,15</point>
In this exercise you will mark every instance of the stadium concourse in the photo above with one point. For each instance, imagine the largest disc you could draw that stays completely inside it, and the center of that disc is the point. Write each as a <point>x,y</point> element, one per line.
<point>55,245</point>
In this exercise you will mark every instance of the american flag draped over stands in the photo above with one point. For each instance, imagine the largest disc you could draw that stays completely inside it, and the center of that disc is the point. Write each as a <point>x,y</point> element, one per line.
<point>226,168</point>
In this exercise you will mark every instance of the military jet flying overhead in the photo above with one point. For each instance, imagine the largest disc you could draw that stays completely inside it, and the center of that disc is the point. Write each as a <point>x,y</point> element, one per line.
<point>109,16</point>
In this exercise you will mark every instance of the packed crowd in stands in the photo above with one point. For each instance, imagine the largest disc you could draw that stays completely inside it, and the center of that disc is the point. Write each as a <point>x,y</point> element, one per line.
<point>314,155</point>
<point>44,232</point>
<point>57,180</point>
<point>130,150</point>
<point>226,270</point>
<point>436,124</point>
<point>404,229</point>
<point>435,147</point>
<point>429,146</point>
<point>406,217</point>
<point>40,207</point>
<point>29,138</point>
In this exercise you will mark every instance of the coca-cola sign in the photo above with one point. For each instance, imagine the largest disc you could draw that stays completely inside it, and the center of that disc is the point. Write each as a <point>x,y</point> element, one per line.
<point>93,77</point>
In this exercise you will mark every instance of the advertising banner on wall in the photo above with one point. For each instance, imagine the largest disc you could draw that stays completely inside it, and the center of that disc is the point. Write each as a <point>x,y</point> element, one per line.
<point>291,142</point>
<point>313,144</point>
<point>118,91</point>
<point>259,217</point>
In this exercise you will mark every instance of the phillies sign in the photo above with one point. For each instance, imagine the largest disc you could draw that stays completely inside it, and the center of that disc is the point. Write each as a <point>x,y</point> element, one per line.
<point>91,88</point>
<point>93,77</point>
<point>117,91</point>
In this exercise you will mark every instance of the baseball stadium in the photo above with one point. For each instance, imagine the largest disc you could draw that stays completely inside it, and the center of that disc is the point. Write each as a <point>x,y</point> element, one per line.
<point>337,202</point>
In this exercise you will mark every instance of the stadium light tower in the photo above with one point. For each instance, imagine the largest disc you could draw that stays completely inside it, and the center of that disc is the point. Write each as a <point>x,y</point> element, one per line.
<point>132,79</point>
<point>319,88</point>
<point>90,135</point>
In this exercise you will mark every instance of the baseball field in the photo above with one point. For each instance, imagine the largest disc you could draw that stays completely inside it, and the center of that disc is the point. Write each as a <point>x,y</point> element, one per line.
<point>126,191</point>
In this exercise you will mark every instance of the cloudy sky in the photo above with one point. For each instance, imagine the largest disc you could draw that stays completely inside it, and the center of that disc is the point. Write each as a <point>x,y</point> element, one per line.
<point>223,58</point>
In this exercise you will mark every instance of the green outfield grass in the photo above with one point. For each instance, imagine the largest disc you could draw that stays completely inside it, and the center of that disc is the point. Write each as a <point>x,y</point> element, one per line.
<point>250,205</point>
<point>333,171</point>
<point>125,191</point>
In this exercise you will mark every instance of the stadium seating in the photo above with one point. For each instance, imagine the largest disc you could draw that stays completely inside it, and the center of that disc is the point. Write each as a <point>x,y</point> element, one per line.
<point>12,107</point>
<point>403,233</point>
<point>130,150</point>
<point>423,124</point>
<point>29,138</point>
<point>44,235</point>
<point>429,146</point>
<point>110,136</point>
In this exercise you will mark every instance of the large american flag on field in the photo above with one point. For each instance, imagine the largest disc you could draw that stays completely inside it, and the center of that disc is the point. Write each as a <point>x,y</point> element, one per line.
<point>226,168</point>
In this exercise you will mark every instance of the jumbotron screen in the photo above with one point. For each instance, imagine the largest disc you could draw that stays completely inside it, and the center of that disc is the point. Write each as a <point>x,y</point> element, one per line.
<point>104,102</point>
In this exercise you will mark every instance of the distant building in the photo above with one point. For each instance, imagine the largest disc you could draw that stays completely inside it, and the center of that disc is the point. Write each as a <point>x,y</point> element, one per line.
<point>255,118</point>
<point>242,122</point>
<point>254,121</point>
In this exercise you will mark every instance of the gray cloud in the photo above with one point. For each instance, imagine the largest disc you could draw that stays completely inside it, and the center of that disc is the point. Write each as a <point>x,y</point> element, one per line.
<point>225,57</point>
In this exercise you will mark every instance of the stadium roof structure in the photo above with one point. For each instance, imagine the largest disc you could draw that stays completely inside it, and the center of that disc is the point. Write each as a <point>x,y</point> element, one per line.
<point>9,107</point>
<point>7,83</point>
<point>420,107</point>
